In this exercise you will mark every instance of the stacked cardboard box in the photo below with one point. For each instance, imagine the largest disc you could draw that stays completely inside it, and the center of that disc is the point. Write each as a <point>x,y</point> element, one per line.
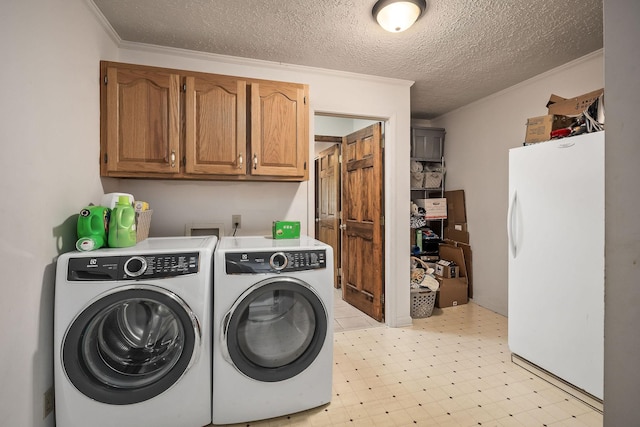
<point>572,106</point>
<point>456,232</point>
<point>561,113</point>
<point>539,128</point>
<point>453,290</point>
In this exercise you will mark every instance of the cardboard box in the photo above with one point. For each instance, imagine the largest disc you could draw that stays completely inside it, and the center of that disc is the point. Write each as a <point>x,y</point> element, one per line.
<point>455,254</point>
<point>429,258</point>
<point>468,263</point>
<point>452,233</point>
<point>460,227</point>
<point>539,128</point>
<point>446,269</point>
<point>452,291</point>
<point>456,208</point>
<point>435,208</point>
<point>285,229</point>
<point>572,106</point>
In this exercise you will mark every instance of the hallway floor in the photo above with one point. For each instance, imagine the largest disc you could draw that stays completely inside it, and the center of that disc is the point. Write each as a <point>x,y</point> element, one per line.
<point>451,369</point>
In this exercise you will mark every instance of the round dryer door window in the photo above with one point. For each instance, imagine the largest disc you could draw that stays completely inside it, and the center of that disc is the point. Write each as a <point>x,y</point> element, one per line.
<point>130,345</point>
<point>276,329</point>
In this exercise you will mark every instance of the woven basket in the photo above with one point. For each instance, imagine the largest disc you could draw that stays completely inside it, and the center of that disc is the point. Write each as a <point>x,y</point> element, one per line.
<point>432,179</point>
<point>417,179</point>
<point>422,303</point>
<point>143,223</point>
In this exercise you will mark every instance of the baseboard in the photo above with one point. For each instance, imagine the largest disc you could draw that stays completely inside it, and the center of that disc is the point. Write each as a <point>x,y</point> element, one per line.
<point>586,398</point>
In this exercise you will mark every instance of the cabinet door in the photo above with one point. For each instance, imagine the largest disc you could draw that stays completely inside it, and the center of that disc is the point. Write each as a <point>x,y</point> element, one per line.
<point>141,120</point>
<point>279,130</point>
<point>215,125</point>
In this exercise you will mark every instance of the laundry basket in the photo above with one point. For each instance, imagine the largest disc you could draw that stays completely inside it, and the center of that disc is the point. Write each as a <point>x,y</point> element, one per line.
<point>422,302</point>
<point>422,299</point>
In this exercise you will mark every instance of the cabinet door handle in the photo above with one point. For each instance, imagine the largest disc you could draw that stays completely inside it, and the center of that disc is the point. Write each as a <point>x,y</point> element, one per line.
<point>240,161</point>
<point>255,161</point>
<point>173,158</point>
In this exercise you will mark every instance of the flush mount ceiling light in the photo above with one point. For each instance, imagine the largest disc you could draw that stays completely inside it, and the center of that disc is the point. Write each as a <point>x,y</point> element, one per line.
<point>398,15</point>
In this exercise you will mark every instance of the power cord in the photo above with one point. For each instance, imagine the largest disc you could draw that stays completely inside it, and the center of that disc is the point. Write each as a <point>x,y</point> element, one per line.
<point>235,228</point>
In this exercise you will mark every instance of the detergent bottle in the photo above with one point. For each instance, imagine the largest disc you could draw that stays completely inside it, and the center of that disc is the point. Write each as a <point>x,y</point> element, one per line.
<point>122,224</point>
<point>92,226</point>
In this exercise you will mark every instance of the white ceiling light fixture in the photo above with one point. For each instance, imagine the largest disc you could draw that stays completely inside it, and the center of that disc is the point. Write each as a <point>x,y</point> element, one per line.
<point>397,15</point>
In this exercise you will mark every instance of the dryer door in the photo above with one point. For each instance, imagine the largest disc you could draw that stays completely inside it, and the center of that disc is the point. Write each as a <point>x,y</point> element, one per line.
<point>275,329</point>
<point>130,345</point>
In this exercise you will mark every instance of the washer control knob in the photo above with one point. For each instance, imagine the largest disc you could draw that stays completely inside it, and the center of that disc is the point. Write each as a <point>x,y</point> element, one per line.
<point>135,266</point>
<point>278,261</point>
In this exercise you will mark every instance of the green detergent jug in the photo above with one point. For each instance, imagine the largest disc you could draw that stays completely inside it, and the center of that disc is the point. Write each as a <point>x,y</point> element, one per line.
<point>122,224</point>
<point>92,226</point>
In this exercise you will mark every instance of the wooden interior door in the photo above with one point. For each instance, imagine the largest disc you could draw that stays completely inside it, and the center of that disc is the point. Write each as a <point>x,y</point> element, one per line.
<point>328,203</point>
<point>362,221</point>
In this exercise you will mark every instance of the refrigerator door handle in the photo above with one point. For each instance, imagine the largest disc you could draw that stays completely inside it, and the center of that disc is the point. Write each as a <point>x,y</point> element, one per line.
<point>510,223</point>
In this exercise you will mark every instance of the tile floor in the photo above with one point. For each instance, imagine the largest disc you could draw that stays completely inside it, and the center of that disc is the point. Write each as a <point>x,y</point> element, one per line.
<point>346,317</point>
<point>450,369</point>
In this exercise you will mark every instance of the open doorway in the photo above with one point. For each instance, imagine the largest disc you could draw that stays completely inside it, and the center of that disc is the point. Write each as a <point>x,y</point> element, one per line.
<point>349,207</point>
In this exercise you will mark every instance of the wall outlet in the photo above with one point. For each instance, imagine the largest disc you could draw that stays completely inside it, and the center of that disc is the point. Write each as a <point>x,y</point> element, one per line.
<point>49,402</point>
<point>236,221</point>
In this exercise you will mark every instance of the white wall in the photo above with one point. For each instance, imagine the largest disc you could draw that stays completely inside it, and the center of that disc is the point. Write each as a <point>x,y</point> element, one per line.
<point>49,130</point>
<point>622,204</point>
<point>477,144</point>
<point>337,126</point>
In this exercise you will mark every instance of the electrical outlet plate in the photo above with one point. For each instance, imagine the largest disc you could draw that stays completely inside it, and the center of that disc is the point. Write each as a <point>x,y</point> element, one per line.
<point>236,219</point>
<point>48,402</point>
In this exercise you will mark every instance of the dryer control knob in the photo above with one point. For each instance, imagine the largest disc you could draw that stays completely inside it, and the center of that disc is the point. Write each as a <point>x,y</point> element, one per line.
<point>278,261</point>
<point>135,266</point>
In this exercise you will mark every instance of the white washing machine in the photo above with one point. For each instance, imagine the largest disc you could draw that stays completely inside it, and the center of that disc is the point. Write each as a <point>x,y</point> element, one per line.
<point>272,327</point>
<point>132,335</point>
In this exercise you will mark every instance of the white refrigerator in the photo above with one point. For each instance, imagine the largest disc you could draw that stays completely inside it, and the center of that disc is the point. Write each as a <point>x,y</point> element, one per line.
<point>555,227</point>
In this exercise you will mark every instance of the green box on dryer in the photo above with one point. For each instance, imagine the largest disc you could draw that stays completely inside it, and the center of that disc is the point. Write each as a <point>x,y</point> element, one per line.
<point>285,230</point>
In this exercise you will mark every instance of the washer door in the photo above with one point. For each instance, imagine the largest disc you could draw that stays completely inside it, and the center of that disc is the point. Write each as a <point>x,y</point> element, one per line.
<point>130,345</point>
<point>275,329</point>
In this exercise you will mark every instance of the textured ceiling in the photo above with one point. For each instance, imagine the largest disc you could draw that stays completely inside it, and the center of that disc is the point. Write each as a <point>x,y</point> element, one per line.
<point>459,51</point>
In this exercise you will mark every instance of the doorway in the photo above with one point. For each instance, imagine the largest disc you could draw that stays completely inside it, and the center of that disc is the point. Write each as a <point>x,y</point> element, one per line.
<point>349,207</point>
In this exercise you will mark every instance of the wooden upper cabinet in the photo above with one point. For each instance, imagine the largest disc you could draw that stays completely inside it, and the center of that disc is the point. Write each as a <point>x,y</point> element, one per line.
<point>215,125</point>
<point>279,129</point>
<point>164,123</point>
<point>140,120</point>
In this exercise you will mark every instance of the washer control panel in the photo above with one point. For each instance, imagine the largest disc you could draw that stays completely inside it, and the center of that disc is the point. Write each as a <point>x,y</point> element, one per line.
<point>133,267</point>
<point>275,262</point>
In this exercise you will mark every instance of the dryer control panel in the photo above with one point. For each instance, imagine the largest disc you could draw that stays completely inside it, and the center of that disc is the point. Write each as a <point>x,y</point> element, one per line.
<point>275,262</point>
<point>133,267</point>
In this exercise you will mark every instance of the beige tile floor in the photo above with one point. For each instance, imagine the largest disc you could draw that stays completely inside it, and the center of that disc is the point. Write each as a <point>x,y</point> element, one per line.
<point>450,369</point>
<point>346,317</point>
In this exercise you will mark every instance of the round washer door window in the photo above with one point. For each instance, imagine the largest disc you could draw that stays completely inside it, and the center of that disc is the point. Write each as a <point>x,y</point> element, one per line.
<point>276,329</point>
<point>130,345</point>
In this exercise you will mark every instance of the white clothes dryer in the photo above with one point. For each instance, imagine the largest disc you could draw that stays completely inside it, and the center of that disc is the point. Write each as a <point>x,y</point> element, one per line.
<point>132,335</point>
<point>272,327</point>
